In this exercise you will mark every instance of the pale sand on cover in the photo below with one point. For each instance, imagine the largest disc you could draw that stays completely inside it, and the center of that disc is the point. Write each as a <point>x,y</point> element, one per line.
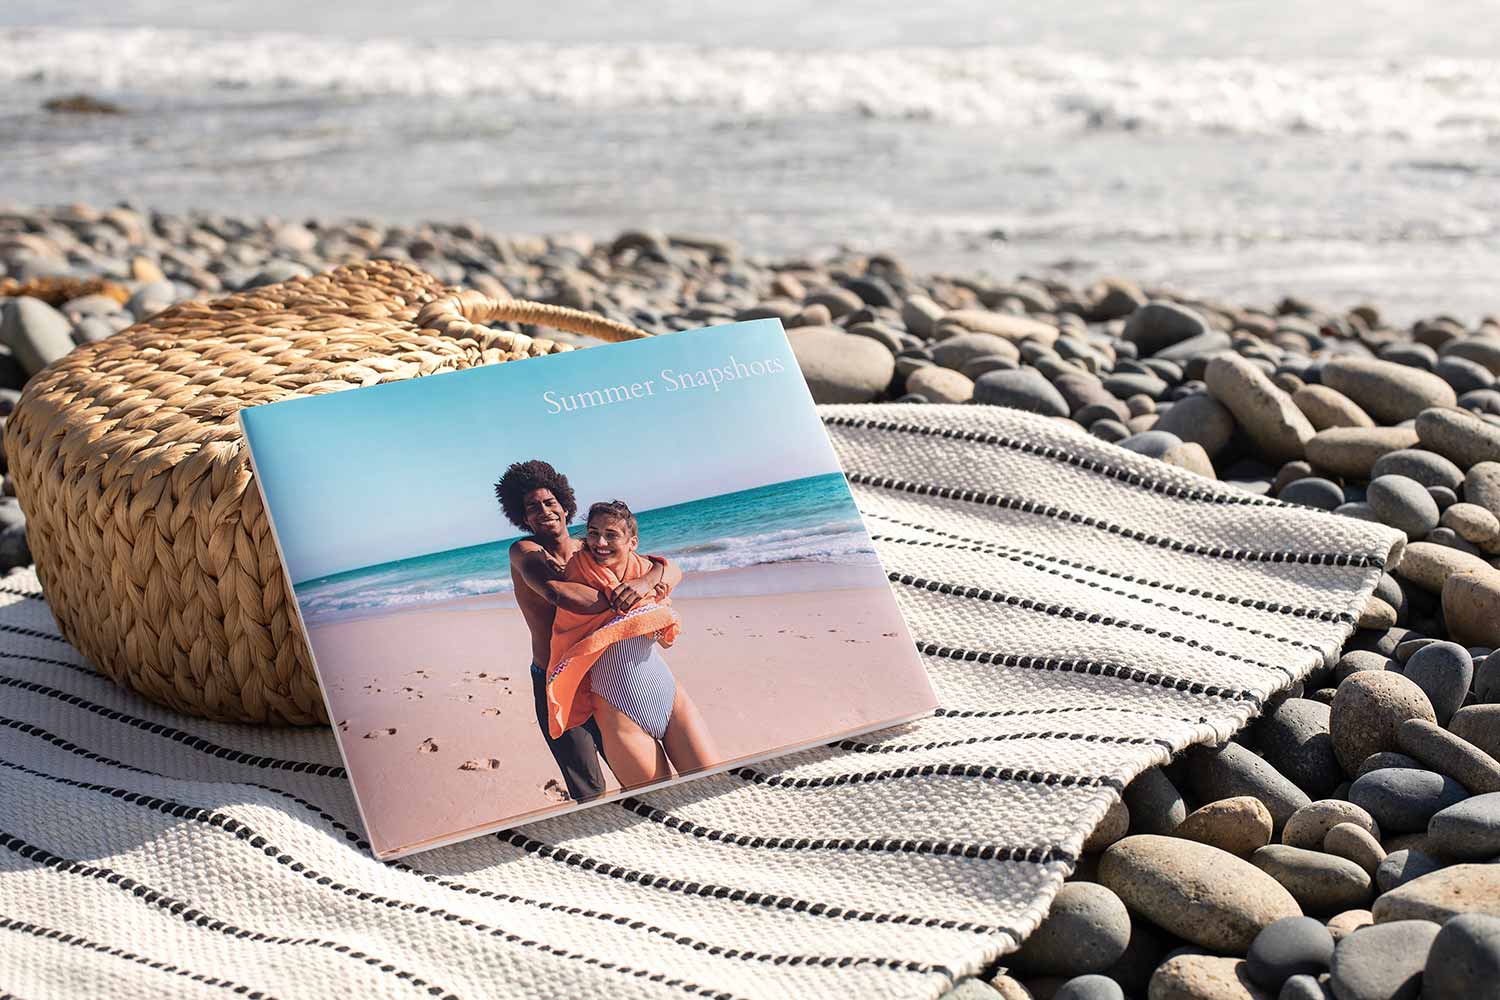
<point>418,694</point>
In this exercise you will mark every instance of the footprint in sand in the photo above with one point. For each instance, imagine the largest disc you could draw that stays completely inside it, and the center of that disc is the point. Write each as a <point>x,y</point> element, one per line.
<point>427,746</point>
<point>490,711</point>
<point>487,764</point>
<point>343,725</point>
<point>418,673</point>
<point>554,790</point>
<point>375,734</point>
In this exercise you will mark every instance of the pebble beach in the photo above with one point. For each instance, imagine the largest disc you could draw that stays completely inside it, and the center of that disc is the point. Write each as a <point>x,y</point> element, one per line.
<point>1344,844</point>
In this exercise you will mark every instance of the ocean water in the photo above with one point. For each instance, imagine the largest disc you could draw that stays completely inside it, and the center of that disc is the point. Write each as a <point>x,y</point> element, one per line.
<point>803,521</point>
<point>1343,152</point>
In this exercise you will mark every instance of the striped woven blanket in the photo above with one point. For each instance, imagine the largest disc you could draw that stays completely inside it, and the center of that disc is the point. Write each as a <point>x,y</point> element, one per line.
<point>1084,613</point>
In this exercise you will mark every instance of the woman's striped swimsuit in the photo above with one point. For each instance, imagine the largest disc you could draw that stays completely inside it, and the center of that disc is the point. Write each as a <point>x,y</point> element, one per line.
<point>632,676</point>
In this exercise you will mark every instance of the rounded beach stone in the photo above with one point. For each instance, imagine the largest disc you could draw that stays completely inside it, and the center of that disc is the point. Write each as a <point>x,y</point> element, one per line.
<point>940,385</point>
<point>1201,419</point>
<point>1480,725</point>
<point>1200,893</point>
<point>920,314</point>
<point>1153,443</point>
<point>1295,739</point>
<point>1402,866</point>
<point>1471,605</point>
<point>1464,960</point>
<point>1354,843</point>
<point>1443,894</point>
<point>36,333</point>
<point>957,351</point>
<point>1426,467</point>
<point>1289,947</point>
<point>1346,923</point>
<point>1307,826</point>
<point>1232,770</point>
<point>1468,830</point>
<point>1482,486</point>
<point>1442,751</point>
<point>1320,883</point>
<point>840,368</point>
<point>1429,565</point>
<point>1404,504</point>
<point>1205,977</point>
<point>1020,389</point>
<point>1190,455</point>
<point>1325,408</point>
<point>1091,987</point>
<point>976,367</point>
<point>1155,804</point>
<point>1353,451</point>
<point>1086,930</point>
<point>1355,660</point>
<point>1383,962</point>
<point>1367,709</point>
<point>1157,325</point>
<point>1458,435</point>
<point>1472,523</point>
<point>1376,614</point>
<point>1313,491</point>
<point>1270,419</point>
<point>1303,988</point>
<point>1114,825</point>
<point>1015,328</point>
<point>1443,670</point>
<point>1385,390</point>
<point>1402,800</point>
<point>1238,825</point>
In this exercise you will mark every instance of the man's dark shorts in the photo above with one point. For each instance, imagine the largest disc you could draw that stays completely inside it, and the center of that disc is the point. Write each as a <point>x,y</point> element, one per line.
<point>577,751</point>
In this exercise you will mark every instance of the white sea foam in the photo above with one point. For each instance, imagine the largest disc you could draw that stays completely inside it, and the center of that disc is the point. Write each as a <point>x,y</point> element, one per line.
<point>1002,87</point>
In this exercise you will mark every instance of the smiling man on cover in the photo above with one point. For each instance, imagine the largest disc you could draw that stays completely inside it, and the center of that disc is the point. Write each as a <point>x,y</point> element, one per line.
<point>537,498</point>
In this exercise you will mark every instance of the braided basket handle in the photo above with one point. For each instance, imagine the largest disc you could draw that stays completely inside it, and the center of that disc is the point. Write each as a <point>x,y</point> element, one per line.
<point>465,314</point>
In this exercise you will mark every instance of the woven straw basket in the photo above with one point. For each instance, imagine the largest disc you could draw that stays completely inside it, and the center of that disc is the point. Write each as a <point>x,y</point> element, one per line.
<point>150,538</point>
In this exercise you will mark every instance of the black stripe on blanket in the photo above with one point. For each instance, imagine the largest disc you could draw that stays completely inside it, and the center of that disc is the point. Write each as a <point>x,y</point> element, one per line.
<point>197,917</point>
<point>983,545</point>
<point>1038,855</point>
<point>821,909</point>
<point>1097,668</point>
<point>1088,521</point>
<point>1076,614</point>
<point>176,735</point>
<point>241,831</point>
<point>78,941</point>
<point>989,772</point>
<point>769,900</point>
<point>861,747</point>
<point>1096,585</point>
<point>1053,453</point>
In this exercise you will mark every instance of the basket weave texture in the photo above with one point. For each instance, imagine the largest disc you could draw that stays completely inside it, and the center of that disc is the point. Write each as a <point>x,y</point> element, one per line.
<point>150,538</point>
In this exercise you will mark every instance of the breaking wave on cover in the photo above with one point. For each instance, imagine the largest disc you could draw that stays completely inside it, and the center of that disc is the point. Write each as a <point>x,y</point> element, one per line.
<point>1005,87</point>
<point>380,588</point>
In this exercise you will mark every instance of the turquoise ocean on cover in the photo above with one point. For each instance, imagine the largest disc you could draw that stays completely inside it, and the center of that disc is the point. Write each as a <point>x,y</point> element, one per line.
<point>810,520</point>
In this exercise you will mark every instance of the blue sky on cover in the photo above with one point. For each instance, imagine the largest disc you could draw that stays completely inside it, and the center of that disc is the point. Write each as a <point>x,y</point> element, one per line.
<point>364,476</point>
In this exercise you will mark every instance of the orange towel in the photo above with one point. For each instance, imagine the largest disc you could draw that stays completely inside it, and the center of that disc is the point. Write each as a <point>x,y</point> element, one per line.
<point>578,639</point>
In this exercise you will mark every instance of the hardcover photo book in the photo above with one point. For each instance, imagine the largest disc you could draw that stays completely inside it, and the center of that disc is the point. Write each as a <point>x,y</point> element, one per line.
<point>535,586</point>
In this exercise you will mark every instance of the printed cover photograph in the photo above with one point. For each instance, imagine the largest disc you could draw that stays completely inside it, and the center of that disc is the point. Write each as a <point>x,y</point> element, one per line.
<point>536,585</point>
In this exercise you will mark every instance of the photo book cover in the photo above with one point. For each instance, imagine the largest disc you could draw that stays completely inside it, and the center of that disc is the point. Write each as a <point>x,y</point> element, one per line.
<point>534,586</point>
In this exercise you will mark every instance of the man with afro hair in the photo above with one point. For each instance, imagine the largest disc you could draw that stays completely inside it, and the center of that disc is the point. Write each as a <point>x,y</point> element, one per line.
<point>537,498</point>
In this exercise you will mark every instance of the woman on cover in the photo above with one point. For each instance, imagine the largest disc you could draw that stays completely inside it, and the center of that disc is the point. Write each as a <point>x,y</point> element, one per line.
<point>606,662</point>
